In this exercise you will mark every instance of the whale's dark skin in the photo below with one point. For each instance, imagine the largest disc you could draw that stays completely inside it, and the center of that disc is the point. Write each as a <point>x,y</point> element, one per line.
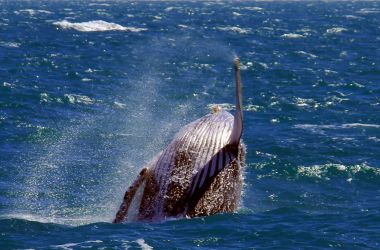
<point>198,174</point>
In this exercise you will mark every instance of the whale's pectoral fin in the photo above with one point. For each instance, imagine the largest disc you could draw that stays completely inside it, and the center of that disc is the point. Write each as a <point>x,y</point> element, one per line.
<point>205,176</point>
<point>128,197</point>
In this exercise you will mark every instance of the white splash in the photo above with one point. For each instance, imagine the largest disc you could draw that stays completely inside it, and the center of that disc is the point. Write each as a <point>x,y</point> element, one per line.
<point>97,25</point>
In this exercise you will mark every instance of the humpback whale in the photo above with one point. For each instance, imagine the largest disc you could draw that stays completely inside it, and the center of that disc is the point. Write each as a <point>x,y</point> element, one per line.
<point>198,174</point>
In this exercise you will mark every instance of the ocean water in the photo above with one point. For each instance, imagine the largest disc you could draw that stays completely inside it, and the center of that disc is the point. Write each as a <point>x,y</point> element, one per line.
<point>91,90</point>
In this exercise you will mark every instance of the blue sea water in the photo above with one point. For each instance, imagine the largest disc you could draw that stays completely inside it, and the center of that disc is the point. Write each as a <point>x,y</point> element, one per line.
<point>91,90</point>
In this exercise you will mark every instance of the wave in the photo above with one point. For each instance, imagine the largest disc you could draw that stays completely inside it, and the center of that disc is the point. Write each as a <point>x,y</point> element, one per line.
<point>119,105</point>
<point>229,107</point>
<point>32,12</point>
<point>97,25</point>
<point>306,102</point>
<point>100,244</point>
<point>352,17</point>
<point>328,171</point>
<point>9,44</point>
<point>235,29</point>
<point>253,8</point>
<point>73,98</point>
<point>314,127</point>
<point>336,30</point>
<point>368,11</point>
<point>306,54</point>
<point>292,36</point>
<point>52,219</point>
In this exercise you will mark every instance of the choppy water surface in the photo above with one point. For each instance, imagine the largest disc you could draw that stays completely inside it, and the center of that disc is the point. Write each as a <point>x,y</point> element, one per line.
<point>91,90</point>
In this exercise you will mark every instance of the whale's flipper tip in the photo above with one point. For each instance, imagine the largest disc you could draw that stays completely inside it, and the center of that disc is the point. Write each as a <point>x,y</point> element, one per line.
<point>238,118</point>
<point>237,63</point>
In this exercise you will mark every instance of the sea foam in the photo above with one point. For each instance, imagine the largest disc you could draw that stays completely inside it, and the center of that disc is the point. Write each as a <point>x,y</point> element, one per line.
<point>97,25</point>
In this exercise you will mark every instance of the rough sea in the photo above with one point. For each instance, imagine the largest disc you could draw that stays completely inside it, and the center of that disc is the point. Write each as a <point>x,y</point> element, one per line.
<point>91,90</point>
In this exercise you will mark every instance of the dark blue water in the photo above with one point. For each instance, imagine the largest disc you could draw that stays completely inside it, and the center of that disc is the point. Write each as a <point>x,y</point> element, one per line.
<point>83,106</point>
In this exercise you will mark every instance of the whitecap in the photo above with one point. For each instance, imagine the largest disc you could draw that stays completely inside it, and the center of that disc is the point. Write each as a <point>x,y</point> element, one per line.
<point>10,44</point>
<point>322,171</point>
<point>235,29</point>
<point>247,65</point>
<point>143,244</point>
<point>229,107</point>
<point>73,98</point>
<point>330,72</point>
<point>97,25</point>
<point>336,30</point>
<point>316,128</point>
<point>292,36</point>
<point>262,64</point>
<point>119,105</point>
<point>167,9</point>
<point>358,125</point>
<point>374,138</point>
<point>8,85</point>
<point>236,13</point>
<point>275,120</point>
<point>44,98</point>
<point>308,55</point>
<point>71,245</point>
<point>32,12</point>
<point>368,11</point>
<point>332,100</point>
<point>99,4</point>
<point>343,84</point>
<point>305,102</point>
<point>352,17</point>
<point>253,8</point>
